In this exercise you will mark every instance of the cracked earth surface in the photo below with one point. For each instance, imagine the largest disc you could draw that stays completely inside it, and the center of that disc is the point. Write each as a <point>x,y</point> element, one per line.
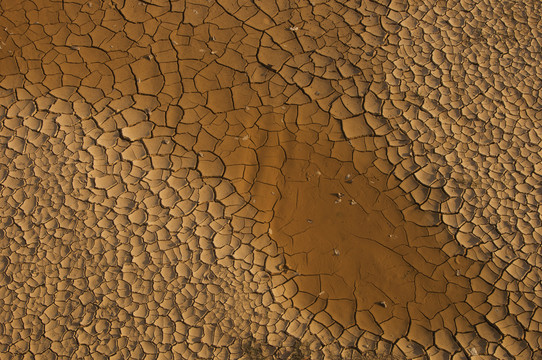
<point>179,179</point>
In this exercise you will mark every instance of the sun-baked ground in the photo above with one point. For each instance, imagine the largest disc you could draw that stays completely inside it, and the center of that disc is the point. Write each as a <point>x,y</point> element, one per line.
<point>179,179</point>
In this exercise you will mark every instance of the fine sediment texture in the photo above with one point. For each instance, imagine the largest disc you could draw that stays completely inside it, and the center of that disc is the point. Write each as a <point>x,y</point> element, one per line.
<point>259,179</point>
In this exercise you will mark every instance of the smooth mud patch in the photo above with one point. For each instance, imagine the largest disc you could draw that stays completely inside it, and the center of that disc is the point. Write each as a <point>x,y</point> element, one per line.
<point>352,248</point>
